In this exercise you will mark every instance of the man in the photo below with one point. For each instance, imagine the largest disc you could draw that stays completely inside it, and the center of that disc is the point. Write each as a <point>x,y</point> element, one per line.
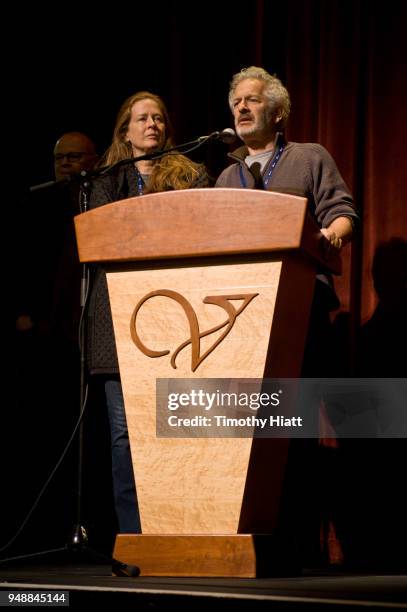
<point>260,105</point>
<point>50,240</point>
<point>47,330</point>
<point>73,153</point>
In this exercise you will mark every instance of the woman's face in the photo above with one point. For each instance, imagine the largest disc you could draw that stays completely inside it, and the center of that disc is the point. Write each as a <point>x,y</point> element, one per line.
<point>146,130</point>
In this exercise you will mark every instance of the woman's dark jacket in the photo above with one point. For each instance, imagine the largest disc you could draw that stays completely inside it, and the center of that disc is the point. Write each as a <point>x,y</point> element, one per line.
<point>101,347</point>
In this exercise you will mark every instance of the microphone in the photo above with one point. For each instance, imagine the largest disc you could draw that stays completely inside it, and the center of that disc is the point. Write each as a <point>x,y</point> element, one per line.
<point>48,184</point>
<point>77,177</point>
<point>228,135</point>
<point>255,169</point>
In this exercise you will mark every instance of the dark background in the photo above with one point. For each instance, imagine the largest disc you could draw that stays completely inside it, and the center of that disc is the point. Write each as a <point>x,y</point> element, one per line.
<point>69,67</point>
<point>344,63</point>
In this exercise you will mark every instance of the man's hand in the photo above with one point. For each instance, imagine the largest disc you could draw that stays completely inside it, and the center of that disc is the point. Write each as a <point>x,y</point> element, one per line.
<point>338,234</point>
<point>333,238</point>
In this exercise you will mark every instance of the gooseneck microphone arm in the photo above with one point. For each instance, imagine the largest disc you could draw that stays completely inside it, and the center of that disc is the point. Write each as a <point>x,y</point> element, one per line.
<point>227,135</point>
<point>183,148</point>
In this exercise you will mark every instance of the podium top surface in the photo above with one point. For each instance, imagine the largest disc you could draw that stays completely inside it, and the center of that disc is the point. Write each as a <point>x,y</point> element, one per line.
<point>199,223</point>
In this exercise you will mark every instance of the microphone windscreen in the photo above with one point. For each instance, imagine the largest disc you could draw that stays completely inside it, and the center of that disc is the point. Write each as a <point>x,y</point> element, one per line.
<point>227,135</point>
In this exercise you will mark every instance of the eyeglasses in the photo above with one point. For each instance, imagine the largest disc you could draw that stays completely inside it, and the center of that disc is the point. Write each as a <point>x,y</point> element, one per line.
<point>70,157</point>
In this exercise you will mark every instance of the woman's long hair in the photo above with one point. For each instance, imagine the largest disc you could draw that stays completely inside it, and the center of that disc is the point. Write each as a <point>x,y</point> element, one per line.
<point>170,171</point>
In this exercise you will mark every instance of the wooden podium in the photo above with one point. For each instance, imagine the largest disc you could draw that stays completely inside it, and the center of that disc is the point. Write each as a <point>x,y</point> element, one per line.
<point>208,506</point>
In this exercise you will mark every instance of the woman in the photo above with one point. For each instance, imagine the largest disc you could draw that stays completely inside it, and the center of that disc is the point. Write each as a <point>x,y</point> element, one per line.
<point>142,127</point>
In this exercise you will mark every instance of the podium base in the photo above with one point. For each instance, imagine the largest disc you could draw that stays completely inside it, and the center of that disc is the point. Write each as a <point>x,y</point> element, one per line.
<point>240,556</point>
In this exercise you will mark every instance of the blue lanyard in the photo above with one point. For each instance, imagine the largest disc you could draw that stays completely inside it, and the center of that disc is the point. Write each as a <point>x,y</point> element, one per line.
<point>269,174</point>
<point>140,184</point>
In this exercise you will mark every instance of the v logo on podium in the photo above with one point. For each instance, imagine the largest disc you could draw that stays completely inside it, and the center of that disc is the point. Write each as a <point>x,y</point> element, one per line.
<point>223,301</point>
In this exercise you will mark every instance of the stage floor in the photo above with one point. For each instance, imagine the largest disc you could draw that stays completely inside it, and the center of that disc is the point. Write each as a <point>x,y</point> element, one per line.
<point>93,584</point>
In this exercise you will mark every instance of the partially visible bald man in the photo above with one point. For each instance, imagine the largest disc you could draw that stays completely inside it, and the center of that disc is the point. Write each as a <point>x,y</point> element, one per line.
<point>73,153</point>
<point>47,380</point>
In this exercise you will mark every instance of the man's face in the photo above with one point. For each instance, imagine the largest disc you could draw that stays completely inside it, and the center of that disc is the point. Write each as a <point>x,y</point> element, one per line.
<point>72,154</point>
<point>251,111</point>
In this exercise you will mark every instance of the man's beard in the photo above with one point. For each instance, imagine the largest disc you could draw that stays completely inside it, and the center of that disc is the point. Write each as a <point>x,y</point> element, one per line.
<point>259,126</point>
<point>246,130</point>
